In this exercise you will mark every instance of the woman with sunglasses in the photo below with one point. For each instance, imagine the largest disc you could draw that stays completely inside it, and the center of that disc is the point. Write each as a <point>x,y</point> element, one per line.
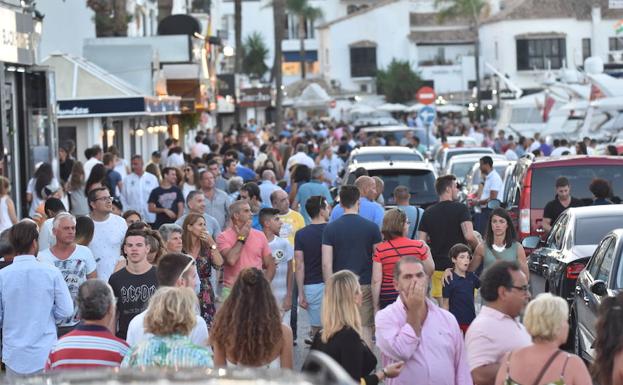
<point>188,182</point>
<point>200,245</point>
<point>396,245</point>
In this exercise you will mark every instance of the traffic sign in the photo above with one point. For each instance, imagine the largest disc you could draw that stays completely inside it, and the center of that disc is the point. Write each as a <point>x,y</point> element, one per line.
<point>425,95</point>
<point>428,115</point>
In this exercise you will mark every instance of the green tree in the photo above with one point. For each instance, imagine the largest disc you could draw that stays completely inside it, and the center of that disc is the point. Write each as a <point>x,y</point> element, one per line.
<point>398,82</point>
<point>472,10</point>
<point>304,12</point>
<point>111,17</point>
<point>255,54</point>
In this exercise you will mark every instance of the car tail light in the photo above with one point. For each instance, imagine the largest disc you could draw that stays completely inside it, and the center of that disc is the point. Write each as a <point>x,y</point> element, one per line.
<point>524,205</point>
<point>574,269</point>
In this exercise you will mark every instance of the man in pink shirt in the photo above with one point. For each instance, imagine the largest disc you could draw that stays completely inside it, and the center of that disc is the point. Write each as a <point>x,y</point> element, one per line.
<point>242,246</point>
<point>415,330</point>
<point>496,330</point>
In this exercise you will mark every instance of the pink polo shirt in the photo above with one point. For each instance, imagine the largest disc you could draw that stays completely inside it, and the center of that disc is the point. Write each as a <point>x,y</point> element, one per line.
<point>251,255</point>
<point>436,357</point>
<point>491,335</point>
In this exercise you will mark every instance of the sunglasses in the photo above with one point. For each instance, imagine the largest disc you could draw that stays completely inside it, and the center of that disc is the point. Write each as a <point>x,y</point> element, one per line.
<point>191,263</point>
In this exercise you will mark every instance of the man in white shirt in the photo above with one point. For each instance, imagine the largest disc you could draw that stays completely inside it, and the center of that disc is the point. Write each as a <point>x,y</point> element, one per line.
<point>177,270</point>
<point>95,157</point>
<point>300,157</point>
<point>199,148</point>
<point>331,164</point>
<point>136,189</point>
<point>268,186</point>
<point>510,153</point>
<point>108,233</point>
<point>492,188</point>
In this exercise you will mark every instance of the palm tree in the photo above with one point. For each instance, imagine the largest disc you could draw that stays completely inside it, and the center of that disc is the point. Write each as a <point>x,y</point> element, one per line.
<point>305,12</point>
<point>238,54</point>
<point>472,10</point>
<point>279,17</point>
<point>255,54</point>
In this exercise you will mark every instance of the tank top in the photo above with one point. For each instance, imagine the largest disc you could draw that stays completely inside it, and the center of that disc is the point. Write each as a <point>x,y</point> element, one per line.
<point>5,219</point>
<point>508,254</point>
<point>560,381</point>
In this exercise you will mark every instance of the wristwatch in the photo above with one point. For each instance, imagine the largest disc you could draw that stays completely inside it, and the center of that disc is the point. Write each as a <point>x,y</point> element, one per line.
<point>242,238</point>
<point>213,247</point>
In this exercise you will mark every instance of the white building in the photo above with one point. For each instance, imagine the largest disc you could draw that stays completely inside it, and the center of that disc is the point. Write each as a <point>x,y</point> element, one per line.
<point>257,16</point>
<point>353,47</point>
<point>529,37</point>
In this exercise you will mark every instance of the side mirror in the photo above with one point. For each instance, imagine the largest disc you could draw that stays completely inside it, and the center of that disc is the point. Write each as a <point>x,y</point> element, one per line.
<point>494,204</point>
<point>531,242</point>
<point>599,288</point>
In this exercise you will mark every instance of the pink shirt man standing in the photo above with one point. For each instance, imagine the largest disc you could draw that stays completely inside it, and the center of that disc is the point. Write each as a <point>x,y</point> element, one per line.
<point>415,330</point>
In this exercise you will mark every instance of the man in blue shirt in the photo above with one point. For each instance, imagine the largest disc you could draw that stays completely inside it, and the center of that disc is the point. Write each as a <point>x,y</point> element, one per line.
<point>33,297</point>
<point>312,188</point>
<point>368,209</point>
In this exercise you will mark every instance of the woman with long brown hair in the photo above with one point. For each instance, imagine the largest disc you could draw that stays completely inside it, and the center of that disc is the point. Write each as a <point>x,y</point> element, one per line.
<point>200,245</point>
<point>78,202</point>
<point>247,329</point>
<point>608,366</point>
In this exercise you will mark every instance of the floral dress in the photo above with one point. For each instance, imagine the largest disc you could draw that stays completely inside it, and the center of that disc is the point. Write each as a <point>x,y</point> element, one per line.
<point>206,292</point>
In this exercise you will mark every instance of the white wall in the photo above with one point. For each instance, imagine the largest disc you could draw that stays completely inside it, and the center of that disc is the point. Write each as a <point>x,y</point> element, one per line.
<point>65,25</point>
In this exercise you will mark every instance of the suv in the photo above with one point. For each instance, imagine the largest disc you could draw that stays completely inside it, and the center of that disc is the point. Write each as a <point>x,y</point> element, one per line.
<point>532,185</point>
<point>384,153</point>
<point>419,177</point>
<point>602,278</point>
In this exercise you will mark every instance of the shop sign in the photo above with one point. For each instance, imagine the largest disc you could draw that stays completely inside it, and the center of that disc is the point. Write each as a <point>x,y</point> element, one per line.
<point>255,97</point>
<point>16,37</point>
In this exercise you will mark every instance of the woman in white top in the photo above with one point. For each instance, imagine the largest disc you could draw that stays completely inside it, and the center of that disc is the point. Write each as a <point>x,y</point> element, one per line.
<point>252,307</point>
<point>188,181</point>
<point>43,176</point>
<point>8,217</point>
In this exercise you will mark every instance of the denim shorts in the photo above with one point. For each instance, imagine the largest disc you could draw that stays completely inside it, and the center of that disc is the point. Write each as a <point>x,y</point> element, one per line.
<point>313,295</point>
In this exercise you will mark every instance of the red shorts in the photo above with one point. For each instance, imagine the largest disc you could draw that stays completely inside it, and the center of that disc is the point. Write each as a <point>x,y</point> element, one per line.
<point>464,327</point>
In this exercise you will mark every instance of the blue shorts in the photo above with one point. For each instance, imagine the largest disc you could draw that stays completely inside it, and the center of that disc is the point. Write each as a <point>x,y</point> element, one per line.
<point>313,295</point>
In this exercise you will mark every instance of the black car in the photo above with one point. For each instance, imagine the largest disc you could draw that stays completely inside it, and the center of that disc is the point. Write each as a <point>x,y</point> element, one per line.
<point>602,277</point>
<point>570,244</point>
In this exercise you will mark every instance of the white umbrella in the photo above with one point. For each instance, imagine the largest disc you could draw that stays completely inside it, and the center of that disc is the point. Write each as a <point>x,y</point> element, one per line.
<point>450,108</point>
<point>361,109</point>
<point>415,107</point>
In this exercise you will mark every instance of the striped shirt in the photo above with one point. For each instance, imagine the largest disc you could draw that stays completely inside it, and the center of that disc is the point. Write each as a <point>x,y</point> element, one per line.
<point>87,346</point>
<point>168,351</point>
<point>387,254</point>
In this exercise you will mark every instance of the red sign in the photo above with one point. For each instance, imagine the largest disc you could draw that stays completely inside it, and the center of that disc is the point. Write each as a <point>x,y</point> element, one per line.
<point>425,95</point>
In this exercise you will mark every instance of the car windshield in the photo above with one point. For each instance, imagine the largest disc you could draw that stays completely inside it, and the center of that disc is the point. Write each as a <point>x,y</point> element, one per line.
<point>460,170</point>
<point>466,150</point>
<point>421,184</point>
<point>589,231</point>
<point>580,177</point>
<point>361,158</point>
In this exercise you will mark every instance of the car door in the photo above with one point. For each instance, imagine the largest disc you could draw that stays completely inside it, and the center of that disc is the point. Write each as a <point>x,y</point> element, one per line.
<point>587,303</point>
<point>548,257</point>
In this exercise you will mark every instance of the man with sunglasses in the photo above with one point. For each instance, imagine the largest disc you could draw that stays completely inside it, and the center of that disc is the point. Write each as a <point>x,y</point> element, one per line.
<point>496,330</point>
<point>177,270</point>
<point>108,233</point>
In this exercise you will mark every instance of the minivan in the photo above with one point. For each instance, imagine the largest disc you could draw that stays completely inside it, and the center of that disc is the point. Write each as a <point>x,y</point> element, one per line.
<point>533,181</point>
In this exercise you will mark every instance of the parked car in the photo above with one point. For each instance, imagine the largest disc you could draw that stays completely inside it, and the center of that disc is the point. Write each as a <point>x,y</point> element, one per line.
<point>419,177</point>
<point>532,185</point>
<point>460,165</point>
<point>384,153</point>
<point>570,244</point>
<point>602,277</point>
<point>443,155</point>
<point>398,132</point>
<point>474,177</point>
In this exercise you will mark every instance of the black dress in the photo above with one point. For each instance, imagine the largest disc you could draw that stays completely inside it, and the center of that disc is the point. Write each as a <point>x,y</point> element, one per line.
<point>348,349</point>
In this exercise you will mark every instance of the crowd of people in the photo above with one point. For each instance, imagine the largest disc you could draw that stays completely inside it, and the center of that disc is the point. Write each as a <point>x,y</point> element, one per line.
<point>205,259</point>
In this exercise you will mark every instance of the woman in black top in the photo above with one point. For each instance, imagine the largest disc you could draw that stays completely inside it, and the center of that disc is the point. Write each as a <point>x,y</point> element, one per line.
<point>341,335</point>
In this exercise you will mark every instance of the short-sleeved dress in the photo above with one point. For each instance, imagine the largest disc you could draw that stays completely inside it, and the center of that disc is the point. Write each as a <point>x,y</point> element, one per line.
<point>206,292</point>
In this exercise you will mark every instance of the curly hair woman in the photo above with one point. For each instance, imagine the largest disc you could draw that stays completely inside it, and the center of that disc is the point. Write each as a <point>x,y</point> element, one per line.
<point>247,329</point>
<point>608,366</point>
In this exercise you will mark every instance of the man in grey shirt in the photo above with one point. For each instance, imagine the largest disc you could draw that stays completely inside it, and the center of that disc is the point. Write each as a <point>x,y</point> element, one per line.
<point>196,203</point>
<point>215,199</point>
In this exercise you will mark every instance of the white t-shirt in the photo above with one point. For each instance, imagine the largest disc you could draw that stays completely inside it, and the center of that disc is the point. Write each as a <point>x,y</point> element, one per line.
<point>88,166</point>
<point>282,252</point>
<point>46,237</point>
<point>74,270</point>
<point>511,155</point>
<point>492,183</point>
<point>106,244</point>
<point>36,201</point>
<point>136,331</point>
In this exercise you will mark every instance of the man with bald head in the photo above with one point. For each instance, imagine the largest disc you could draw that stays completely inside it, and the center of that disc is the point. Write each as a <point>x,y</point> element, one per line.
<point>268,186</point>
<point>368,208</point>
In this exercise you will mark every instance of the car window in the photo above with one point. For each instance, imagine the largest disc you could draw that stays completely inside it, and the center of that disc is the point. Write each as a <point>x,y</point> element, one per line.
<point>558,232</point>
<point>598,256</point>
<point>606,263</point>
<point>362,158</point>
<point>421,184</point>
<point>467,150</point>
<point>580,177</point>
<point>589,231</point>
<point>460,170</point>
